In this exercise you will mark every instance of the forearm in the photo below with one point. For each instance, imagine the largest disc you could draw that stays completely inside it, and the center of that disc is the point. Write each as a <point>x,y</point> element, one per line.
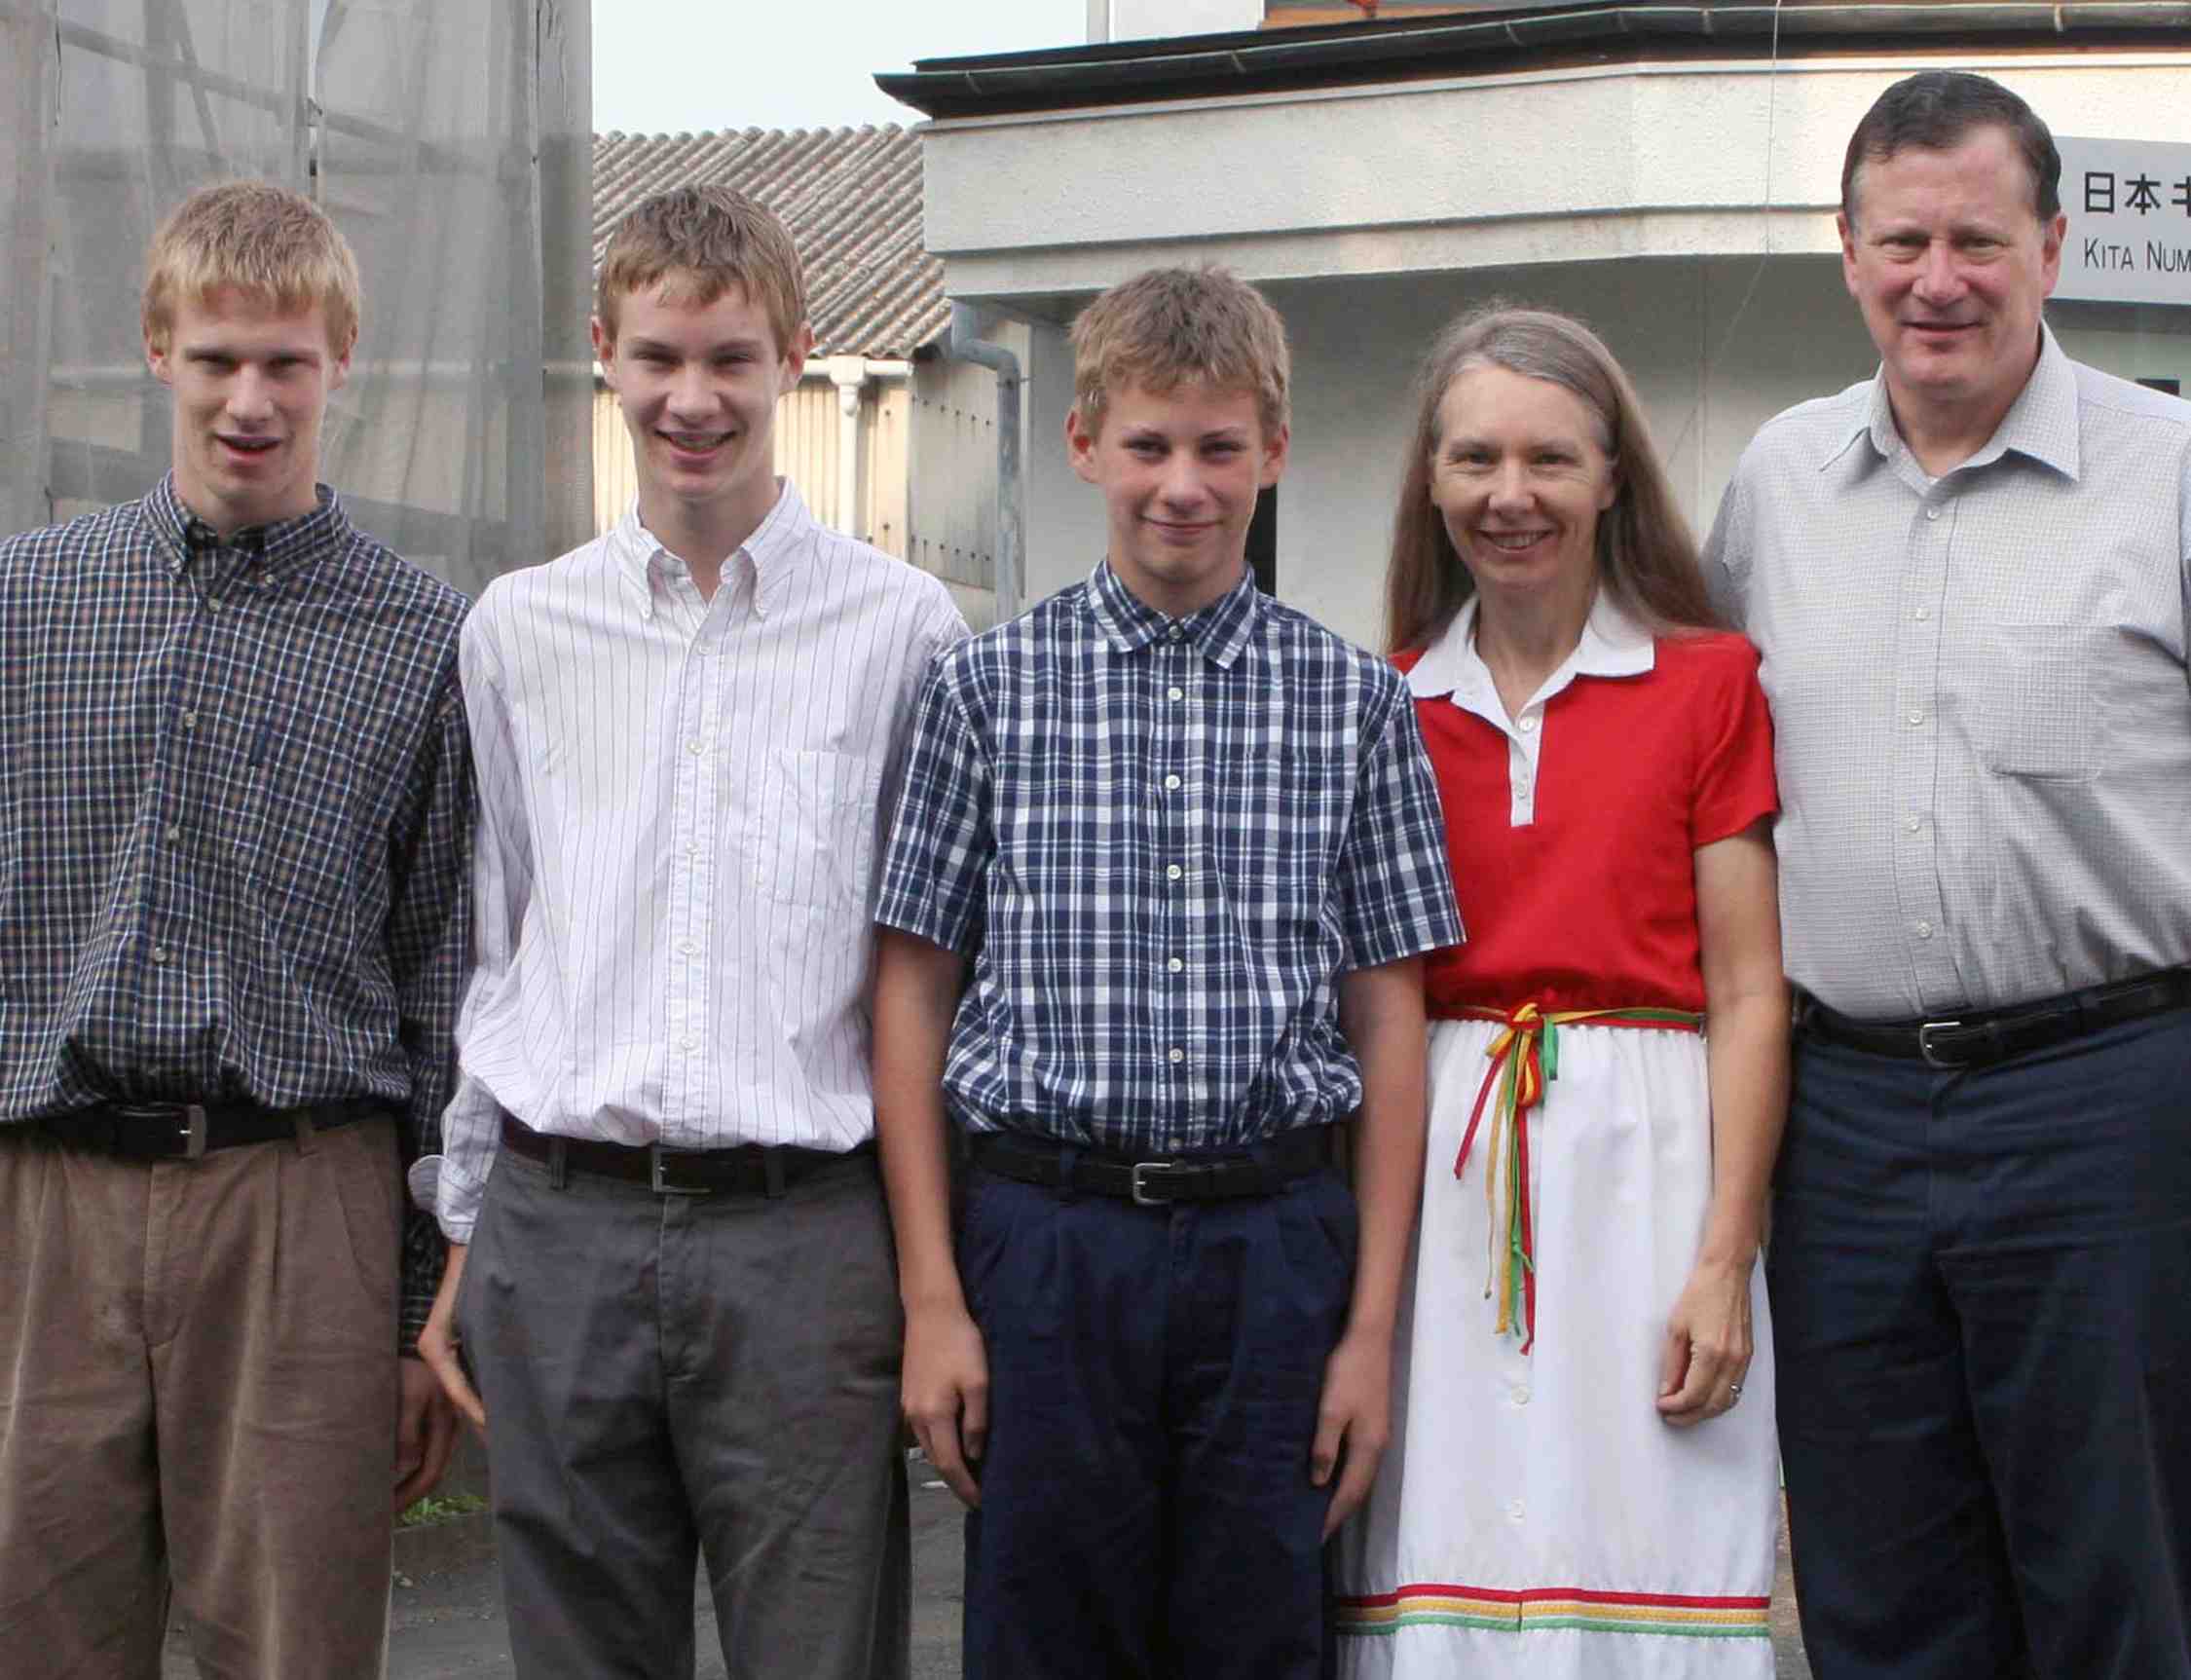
<point>1386,1026</point>
<point>916,992</point>
<point>1747,1061</point>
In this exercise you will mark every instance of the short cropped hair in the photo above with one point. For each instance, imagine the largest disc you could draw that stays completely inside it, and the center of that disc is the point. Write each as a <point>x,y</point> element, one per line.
<point>1166,326</point>
<point>1647,559</point>
<point>696,243</point>
<point>1936,111</point>
<point>265,241</point>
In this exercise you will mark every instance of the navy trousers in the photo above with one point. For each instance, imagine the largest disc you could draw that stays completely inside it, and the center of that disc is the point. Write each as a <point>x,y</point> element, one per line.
<point>1154,1374</point>
<point>1981,1312</point>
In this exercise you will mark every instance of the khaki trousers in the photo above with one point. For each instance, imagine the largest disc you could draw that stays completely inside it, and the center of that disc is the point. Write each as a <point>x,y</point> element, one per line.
<point>198,1383</point>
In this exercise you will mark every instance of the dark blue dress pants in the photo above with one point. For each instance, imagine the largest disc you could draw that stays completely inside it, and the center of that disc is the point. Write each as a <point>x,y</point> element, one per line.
<point>1981,1312</point>
<point>1154,1376</point>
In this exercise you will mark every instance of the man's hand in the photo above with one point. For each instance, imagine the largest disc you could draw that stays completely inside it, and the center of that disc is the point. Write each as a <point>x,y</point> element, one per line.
<point>1353,1421</point>
<point>426,1433</point>
<point>438,1342</point>
<point>947,1394</point>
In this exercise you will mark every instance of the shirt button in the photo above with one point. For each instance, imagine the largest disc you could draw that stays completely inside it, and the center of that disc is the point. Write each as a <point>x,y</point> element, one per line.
<point>1173,870</point>
<point>1932,513</point>
<point>173,832</point>
<point>1175,1055</point>
<point>685,948</point>
<point>1913,822</point>
<point>1171,782</point>
<point>190,720</point>
<point>1174,693</point>
<point>1176,965</point>
<point>1529,723</point>
<point>1923,612</point>
<point>159,954</point>
<point>1924,930</point>
<point>1916,718</point>
<point>1517,1511</point>
<point>695,746</point>
<point>1521,1393</point>
<point>689,1043</point>
<point>1176,632</point>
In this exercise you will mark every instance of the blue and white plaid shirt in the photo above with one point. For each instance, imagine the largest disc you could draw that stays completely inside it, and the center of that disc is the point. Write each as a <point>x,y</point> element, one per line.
<point>236,815</point>
<point>1163,840</point>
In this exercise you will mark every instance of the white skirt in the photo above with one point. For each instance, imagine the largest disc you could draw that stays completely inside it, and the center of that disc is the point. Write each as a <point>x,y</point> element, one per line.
<point>1534,1518</point>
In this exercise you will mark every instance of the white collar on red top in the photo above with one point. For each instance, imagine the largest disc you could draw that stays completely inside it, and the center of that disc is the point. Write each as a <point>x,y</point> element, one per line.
<point>1612,645</point>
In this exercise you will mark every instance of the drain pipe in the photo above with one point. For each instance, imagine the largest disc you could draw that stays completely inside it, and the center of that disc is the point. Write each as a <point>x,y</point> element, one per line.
<point>965,346</point>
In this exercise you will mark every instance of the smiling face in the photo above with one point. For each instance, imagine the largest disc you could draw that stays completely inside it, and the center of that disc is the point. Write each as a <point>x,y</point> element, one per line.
<point>1179,471</point>
<point>250,382</point>
<point>1950,263</point>
<point>1520,475</point>
<point>698,385</point>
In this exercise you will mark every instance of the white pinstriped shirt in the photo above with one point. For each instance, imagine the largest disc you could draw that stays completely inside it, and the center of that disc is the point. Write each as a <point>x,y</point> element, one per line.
<point>681,805</point>
<point>1982,707</point>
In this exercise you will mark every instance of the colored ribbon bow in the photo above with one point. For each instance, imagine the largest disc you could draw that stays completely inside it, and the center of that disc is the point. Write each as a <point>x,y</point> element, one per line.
<point>1525,1055</point>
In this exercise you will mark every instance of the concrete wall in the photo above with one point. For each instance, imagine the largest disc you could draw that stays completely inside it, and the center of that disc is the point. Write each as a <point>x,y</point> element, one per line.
<point>1148,20</point>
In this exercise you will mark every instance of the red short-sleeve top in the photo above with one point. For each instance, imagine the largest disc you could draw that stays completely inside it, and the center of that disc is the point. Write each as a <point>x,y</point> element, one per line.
<point>1572,828</point>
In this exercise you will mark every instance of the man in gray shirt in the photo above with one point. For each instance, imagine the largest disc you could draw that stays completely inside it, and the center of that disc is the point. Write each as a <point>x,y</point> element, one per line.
<point>1968,579</point>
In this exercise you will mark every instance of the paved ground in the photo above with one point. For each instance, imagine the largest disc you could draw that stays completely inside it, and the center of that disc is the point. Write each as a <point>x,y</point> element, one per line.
<point>447,1619</point>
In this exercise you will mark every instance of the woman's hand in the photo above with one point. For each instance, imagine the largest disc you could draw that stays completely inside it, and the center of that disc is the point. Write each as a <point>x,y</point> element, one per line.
<point>1708,1345</point>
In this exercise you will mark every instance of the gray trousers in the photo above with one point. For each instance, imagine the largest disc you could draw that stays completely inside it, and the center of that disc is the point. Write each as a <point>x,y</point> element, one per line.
<point>673,1376</point>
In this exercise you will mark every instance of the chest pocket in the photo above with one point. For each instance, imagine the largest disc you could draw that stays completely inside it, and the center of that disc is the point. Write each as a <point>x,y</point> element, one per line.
<point>310,799</point>
<point>2039,706</point>
<point>815,843</point>
<point>1274,835</point>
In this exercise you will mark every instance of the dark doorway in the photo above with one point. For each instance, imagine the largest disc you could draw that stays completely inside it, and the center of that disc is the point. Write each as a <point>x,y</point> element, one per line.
<point>1262,542</point>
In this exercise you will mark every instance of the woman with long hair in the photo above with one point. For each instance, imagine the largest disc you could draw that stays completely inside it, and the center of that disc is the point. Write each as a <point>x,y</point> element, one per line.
<point>1580,1483</point>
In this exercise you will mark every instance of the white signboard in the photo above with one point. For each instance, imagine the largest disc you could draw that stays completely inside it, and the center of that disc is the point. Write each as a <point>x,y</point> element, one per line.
<point>2129,203</point>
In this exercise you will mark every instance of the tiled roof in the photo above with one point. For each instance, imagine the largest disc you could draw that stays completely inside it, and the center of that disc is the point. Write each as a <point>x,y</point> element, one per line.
<point>851,198</point>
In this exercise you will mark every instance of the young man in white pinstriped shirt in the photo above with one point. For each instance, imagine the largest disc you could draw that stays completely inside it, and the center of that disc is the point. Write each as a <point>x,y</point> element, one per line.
<point>670,1274</point>
<point>1970,579</point>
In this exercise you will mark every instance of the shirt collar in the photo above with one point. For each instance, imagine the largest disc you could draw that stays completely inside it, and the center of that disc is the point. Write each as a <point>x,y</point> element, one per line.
<point>2041,422</point>
<point>1219,631</point>
<point>772,549</point>
<point>180,534</point>
<point>1613,644</point>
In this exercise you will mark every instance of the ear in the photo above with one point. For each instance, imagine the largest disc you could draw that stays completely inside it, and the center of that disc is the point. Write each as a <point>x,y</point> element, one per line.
<point>156,359</point>
<point>796,352</point>
<point>2050,252</point>
<point>1080,444</point>
<point>1615,479</point>
<point>1275,450</point>
<point>1843,227</point>
<point>604,349</point>
<point>338,372</point>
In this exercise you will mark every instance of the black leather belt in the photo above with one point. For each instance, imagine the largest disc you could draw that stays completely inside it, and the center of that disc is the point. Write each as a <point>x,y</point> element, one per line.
<point>1159,1179</point>
<point>185,1131</point>
<point>1978,1038</point>
<point>667,1172</point>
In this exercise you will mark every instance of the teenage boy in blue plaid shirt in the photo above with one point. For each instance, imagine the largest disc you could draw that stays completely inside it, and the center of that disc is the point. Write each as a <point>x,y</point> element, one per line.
<point>1190,842</point>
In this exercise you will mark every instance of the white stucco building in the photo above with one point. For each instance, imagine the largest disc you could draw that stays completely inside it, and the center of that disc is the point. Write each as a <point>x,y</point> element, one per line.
<point>1669,171</point>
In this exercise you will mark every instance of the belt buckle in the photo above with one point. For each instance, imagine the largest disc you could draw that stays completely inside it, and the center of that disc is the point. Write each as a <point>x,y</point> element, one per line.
<point>657,1154</point>
<point>1139,1184</point>
<point>1924,1042</point>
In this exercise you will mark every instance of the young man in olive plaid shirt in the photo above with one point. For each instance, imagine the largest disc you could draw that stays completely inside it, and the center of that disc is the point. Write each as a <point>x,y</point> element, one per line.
<point>1191,841</point>
<point>233,923</point>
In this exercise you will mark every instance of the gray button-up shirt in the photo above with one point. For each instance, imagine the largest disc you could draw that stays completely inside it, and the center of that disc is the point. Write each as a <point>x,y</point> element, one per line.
<point>1980,695</point>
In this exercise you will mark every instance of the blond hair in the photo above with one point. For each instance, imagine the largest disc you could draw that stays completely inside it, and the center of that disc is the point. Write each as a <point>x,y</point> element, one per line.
<point>1167,326</point>
<point>697,242</point>
<point>1647,559</point>
<point>274,245</point>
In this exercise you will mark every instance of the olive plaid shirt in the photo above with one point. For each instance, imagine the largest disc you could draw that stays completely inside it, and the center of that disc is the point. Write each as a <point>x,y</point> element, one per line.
<point>236,814</point>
